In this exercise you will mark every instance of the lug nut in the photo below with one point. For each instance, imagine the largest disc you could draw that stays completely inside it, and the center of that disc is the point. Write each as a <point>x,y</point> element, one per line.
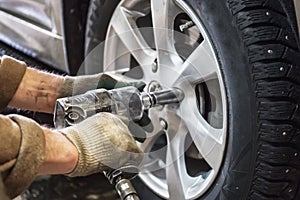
<point>154,66</point>
<point>154,86</point>
<point>163,124</point>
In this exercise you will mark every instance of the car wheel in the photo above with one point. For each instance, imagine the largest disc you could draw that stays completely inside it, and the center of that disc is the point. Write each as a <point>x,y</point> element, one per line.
<point>235,135</point>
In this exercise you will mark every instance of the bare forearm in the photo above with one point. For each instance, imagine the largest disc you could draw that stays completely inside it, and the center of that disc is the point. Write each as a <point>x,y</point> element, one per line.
<point>37,91</point>
<point>61,156</point>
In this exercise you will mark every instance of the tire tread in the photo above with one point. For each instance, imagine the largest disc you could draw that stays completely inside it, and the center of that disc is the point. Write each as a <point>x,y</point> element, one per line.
<point>273,52</point>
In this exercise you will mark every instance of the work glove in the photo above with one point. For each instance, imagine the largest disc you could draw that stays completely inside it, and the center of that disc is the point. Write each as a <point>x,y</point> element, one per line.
<point>103,142</point>
<point>81,84</point>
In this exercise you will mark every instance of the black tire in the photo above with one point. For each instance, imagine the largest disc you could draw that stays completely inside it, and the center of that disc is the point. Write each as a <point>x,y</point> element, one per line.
<point>258,50</point>
<point>98,19</point>
<point>258,47</point>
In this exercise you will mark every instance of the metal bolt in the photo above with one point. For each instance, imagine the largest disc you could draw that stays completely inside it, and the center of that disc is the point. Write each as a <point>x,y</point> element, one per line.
<point>185,26</point>
<point>287,171</point>
<point>154,86</point>
<point>163,124</point>
<point>290,190</point>
<point>281,69</point>
<point>267,13</point>
<point>287,37</point>
<point>154,66</point>
<point>270,51</point>
<point>296,154</point>
<point>284,133</point>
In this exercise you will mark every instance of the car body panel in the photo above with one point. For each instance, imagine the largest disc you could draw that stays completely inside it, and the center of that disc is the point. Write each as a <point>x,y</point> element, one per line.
<point>35,27</point>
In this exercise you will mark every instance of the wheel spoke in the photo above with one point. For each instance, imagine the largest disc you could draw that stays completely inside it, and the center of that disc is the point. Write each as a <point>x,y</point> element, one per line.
<point>125,27</point>
<point>120,75</point>
<point>163,15</point>
<point>149,163</point>
<point>153,160</point>
<point>209,148</point>
<point>200,66</point>
<point>177,178</point>
<point>208,140</point>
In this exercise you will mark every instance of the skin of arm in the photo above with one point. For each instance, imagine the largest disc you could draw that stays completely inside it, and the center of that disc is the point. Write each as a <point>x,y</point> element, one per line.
<point>61,156</point>
<point>37,91</point>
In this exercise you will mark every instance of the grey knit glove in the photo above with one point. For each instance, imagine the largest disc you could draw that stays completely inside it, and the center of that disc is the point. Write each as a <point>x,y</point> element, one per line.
<point>103,142</point>
<point>81,84</point>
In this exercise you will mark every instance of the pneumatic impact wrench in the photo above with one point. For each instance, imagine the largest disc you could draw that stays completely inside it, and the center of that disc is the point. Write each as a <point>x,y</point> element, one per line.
<point>126,102</point>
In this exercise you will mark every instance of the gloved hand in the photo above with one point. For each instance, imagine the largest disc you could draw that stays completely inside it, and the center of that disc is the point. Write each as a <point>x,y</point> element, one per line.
<point>103,142</point>
<point>81,84</point>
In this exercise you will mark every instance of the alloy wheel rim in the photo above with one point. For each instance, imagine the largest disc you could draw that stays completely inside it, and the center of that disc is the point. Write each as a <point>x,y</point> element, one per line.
<point>200,121</point>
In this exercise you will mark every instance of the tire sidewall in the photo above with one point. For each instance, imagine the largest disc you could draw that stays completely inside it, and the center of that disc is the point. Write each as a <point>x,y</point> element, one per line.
<point>235,176</point>
<point>99,15</point>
